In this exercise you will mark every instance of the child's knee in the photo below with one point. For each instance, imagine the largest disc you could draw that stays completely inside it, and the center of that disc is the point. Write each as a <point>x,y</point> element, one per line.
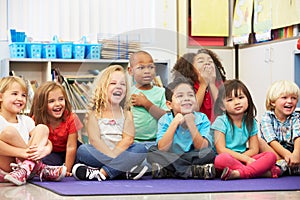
<point>9,132</point>
<point>42,129</point>
<point>221,159</point>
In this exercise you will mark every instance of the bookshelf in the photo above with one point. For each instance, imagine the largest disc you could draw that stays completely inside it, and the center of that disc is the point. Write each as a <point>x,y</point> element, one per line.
<point>40,70</point>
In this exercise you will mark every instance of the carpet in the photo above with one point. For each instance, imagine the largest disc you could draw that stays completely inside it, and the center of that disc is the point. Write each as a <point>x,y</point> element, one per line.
<point>71,187</point>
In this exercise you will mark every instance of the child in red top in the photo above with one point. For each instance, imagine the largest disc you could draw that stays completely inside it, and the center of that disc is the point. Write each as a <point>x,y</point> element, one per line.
<point>51,106</point>
<point>205,70</point>
<point>20,140</point>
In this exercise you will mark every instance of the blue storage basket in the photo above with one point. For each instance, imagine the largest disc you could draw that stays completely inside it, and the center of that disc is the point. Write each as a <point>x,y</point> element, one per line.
<point>34,50</point>
<point>49,51</point>
<point>64,50</point>
<point>17,50</point>
<point>78,51</point>
<point>93,51</point>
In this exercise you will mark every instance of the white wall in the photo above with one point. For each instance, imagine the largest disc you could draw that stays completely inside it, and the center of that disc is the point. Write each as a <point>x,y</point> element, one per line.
<point>154,22</point>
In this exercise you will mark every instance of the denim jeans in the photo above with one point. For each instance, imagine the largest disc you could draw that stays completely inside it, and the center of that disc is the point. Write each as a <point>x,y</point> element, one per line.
<point>58,158</point>
<point>114,167</point>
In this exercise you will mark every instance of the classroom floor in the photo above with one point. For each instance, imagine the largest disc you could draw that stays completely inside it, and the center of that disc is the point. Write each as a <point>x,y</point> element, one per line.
<point>32,192</point>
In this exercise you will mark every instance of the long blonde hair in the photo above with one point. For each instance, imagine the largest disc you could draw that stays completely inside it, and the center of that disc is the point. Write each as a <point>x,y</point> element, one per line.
<point>98,100</point>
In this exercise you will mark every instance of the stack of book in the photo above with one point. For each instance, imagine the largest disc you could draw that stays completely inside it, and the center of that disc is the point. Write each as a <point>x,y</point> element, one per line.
<point>117,47</point>
<point>77,90</point>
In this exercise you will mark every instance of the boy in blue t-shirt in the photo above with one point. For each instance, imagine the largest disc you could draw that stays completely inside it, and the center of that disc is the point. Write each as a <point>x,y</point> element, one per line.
<point>183,147</point>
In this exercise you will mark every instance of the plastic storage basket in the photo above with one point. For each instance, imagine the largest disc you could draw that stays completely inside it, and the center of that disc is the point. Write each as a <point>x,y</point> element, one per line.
<point>78,51</point>
<point>17,50</point>
<point>49,51</point>
<point>64,50</point>
<point>93,51</point>
<point>34,50</point>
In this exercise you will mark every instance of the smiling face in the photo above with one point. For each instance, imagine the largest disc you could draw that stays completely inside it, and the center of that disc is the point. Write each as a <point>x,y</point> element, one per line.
<point>183,99</point>
<point>285,105</point>
<point>56,103</point>
<point>116,90</point>
<point>236,104</point>
<point>13,100</point>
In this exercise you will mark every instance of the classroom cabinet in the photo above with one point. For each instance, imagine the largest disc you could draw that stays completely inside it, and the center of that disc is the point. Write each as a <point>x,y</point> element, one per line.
<point>262,64</point>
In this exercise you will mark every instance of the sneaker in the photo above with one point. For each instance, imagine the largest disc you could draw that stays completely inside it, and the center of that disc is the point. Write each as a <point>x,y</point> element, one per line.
<point>294,170</point>
<point>53,173</point>
<point>276,171</point>
<point>226,174</point>
<point>17,176</point>
<point>36,170</point>
<point>136,172</point>
<point>21,170</point>
<point>160,172</point>
<point>282,164</point>
<point>2,174</point>
<point>206,171</point>
<point>83,172</point>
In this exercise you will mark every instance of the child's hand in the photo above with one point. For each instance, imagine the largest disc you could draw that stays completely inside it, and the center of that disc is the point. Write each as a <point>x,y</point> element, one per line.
<point>68,174</point>
<point>250,160</point>
<point>212,77</point>
<point>179,118</point>
<point>208,73</point>
<point>189,118</point>
<point>294,159</point>
<point>36,153</point>
<point>139,99</point>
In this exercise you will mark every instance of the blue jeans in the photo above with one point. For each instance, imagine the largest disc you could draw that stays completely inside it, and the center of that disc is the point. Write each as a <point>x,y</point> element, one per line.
<point>114,167</point>
<point>58,158</point>
<point>147,144</point>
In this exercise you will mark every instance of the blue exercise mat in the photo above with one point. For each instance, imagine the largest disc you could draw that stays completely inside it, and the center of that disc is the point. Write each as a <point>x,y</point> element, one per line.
<point>71,187</point>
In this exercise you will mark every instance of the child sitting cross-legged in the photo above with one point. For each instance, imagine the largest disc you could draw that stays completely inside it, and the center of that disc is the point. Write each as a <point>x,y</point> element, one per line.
<point>280,126</point>
<point>22,144</point>
<point>183,147</point>
<point>233,129</point>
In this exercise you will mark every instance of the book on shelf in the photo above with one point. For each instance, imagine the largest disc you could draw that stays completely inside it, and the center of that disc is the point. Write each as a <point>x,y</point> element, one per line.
<point>69,94</point>
<point>77,92</point>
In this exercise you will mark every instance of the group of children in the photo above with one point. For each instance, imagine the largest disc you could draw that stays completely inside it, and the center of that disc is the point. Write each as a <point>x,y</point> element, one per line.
<point>200,126</point>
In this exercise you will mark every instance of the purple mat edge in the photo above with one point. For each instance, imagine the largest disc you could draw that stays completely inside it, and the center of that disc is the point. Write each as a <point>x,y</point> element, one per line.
<point>70,187</point>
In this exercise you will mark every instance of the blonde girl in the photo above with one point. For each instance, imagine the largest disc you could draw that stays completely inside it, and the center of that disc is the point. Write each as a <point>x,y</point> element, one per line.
<point>110,129</point>
<point>20,140</point>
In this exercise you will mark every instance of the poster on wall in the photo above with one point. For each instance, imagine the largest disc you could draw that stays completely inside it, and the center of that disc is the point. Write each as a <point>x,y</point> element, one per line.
<point>285,13</point>
<point>210,18</point>
<point>262,20</point>
<point>242,17</point>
